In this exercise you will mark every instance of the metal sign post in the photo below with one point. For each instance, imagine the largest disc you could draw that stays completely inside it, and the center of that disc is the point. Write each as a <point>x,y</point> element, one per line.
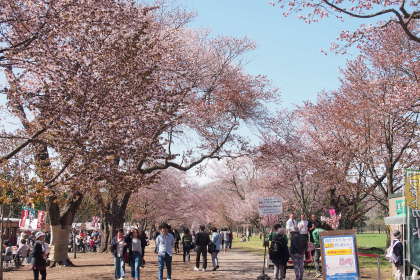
<point>268,206</point>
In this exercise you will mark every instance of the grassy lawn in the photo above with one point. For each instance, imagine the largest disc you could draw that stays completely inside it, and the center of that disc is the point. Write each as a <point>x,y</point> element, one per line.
<point>369,243</point>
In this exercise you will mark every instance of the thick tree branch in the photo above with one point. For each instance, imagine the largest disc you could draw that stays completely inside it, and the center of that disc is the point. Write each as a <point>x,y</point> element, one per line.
<point>21,146</point>
<point>60,172</point>
<point>400,17</point>
<point>167,164</point>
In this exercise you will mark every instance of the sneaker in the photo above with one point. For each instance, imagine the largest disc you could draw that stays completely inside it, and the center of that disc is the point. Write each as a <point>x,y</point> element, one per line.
<point>318,275</point>
<point>196,269</point>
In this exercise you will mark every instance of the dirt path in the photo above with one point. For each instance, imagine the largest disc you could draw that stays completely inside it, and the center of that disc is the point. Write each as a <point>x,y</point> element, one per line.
<point>233,265</point>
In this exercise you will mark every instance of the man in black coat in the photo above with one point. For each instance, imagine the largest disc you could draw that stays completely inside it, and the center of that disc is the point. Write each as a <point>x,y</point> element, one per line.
<point>202,240</point>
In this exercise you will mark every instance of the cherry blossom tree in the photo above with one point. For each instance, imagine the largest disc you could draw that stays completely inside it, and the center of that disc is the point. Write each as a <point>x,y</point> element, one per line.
<point>349,148</point>
<point>123,83</point>
<point>403,13</point>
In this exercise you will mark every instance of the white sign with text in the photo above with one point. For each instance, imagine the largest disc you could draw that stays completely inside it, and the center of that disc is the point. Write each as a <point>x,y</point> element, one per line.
<point>270,206</point>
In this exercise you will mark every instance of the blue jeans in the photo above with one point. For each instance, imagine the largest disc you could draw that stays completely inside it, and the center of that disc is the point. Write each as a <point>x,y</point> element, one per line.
<point>119,267</point>
<point>165,260</point>
<point>135,265</point>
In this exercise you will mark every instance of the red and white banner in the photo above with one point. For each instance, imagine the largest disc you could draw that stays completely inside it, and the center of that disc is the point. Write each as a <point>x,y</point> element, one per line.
<point>95,221</point>
<point>23,218</point>
<point>41,220</point>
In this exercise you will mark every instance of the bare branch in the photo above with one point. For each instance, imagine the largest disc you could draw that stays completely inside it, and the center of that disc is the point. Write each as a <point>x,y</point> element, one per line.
<point>21,146</point>
<point>212,154</point>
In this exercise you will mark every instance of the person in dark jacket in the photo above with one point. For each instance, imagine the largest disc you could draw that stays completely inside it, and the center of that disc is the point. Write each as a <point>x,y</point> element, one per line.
<point>135,252</point>
<point>278,252</point>
<point>202,240</point>
<point>398,252</point>
<point>119,248</point>
<point>298,248</point>
<point>187,245</point>
<point>39,253</point>
<point>144,243</point>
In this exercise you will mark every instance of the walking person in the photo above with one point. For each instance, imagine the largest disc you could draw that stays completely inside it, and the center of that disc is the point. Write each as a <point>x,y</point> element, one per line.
<point>216,241</point>
<point>39,255</point>
<point>144,243</point>
<point>187,245</point>
<point>177,239</point>
<point>119,248</point>
<point>226,240</point>
<point>395,255</point>
<point>316,231</point>
<point>135,253</point>
<point>202,240</point>
<point>230,233</point>
<point>279,252</point>
<point>165,243</point>
<point>297,251</point>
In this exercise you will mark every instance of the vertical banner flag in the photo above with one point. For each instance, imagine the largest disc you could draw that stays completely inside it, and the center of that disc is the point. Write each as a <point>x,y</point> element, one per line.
<point>23,217</point>
<point>41,220</point>
<point>412,188</point>
<point>95,221</point>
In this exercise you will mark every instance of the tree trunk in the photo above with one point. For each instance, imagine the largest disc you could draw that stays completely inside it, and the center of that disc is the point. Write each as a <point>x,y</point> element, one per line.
<point>61,222</point>
<point>114,218</point>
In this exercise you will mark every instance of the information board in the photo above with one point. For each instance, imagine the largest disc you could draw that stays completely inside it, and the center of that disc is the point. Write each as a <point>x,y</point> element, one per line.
<point>412,194</point>
<point>339,255</point>
<point>270,206</point>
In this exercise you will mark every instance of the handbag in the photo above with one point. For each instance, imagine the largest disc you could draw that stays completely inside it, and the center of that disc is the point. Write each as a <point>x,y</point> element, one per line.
<point>211,247</point>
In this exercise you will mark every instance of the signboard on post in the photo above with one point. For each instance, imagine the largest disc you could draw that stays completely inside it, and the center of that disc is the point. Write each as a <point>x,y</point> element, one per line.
<point>270,206</point>
<point>412,194</point>
<point>339,255</point>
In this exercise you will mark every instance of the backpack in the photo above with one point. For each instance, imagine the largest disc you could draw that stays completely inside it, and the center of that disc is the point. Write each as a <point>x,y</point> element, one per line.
<point>276,245</point>
<point>392,258</point>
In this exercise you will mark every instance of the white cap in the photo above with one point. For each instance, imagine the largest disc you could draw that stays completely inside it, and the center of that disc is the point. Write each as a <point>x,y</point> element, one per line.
<point>39,234</point>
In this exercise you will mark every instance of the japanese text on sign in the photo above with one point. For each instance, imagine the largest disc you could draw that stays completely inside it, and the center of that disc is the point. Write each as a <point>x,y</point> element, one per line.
<point>340,257</point>
<point>270,206</point>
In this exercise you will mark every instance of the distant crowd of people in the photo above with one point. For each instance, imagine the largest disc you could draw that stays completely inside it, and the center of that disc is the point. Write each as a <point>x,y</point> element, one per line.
<point>130,249</point>
<point>84,241</point>
<point>297,240</point>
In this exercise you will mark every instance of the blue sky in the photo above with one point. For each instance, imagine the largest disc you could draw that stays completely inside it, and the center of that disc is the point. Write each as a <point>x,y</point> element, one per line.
<point>288,50</point>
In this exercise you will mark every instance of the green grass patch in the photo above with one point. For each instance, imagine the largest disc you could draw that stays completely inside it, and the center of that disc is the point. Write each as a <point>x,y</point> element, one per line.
<point>371,240</point>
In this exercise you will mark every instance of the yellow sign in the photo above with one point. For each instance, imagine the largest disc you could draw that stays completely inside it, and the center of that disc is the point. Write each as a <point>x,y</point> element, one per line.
<point>339,252</point>
<point>412,188</point>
